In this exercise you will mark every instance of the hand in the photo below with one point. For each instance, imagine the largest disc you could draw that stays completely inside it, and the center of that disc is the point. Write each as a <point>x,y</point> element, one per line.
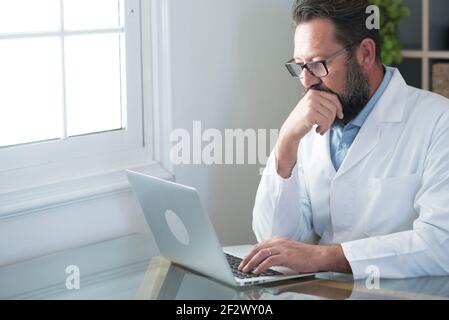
<point>302,258</point>
<point>316,107</point>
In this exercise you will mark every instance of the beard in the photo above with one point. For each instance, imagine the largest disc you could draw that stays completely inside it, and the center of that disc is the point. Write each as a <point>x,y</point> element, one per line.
<point>355,96</point>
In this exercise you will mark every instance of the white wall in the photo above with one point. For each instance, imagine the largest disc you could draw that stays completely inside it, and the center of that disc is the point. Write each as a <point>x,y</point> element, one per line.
<point>228,72</point>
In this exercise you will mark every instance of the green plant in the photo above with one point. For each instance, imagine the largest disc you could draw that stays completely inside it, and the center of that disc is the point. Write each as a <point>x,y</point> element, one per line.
<point>392,12</point>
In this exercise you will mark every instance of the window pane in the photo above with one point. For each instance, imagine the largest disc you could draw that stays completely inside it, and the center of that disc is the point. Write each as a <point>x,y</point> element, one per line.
<point>18,16</point>
<point>91,14</point>
<point>93,89</point>
<point>31,91</point>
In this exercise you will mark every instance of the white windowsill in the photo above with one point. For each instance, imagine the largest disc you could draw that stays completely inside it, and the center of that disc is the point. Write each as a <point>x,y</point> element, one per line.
<point>33,200</point>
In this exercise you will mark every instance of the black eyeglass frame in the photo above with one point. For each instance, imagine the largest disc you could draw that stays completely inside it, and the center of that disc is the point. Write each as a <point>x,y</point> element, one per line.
<point>325,62</point>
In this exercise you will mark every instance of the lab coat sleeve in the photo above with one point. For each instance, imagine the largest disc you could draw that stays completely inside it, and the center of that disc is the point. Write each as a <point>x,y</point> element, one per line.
<point>424,250</point>
<point>282,206</point>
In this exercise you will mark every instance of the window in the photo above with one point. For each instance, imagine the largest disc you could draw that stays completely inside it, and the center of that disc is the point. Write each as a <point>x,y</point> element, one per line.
<point>67,56</point>
<point>71,83</point>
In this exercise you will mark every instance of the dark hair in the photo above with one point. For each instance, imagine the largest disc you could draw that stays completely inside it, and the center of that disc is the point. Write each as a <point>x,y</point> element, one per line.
<point>348,16</point>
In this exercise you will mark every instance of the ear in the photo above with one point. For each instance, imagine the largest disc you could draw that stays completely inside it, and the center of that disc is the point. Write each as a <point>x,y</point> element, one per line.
<point>366,54</point>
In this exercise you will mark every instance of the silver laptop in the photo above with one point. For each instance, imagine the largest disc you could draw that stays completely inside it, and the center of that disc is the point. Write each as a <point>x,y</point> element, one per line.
<point>185,235</point>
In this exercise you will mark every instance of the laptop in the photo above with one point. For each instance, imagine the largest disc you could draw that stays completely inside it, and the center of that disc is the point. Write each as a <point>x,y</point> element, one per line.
<point>185,235</point>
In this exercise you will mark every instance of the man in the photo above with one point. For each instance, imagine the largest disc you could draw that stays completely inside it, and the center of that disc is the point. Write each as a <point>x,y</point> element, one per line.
<point>360,173</point>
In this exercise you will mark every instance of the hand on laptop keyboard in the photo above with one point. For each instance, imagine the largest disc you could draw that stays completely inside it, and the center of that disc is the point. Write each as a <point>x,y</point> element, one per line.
<point>234,263</point>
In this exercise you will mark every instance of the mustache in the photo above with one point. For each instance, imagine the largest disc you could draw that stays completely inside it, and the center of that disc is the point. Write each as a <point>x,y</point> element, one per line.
<point>320,87</point>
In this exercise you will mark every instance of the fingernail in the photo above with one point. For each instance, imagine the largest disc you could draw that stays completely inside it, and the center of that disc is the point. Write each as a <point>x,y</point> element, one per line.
<point>256,271</point>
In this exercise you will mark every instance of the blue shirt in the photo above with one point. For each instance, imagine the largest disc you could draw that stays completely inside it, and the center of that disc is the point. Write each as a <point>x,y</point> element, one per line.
<point>341,138</point>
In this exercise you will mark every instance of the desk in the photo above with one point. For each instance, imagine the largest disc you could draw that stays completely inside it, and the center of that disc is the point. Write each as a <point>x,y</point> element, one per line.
<point>130,268</point>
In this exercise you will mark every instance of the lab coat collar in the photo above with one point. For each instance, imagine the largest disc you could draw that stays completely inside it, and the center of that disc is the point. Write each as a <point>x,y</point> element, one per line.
<point>391,105</point>
<point>390,109</point>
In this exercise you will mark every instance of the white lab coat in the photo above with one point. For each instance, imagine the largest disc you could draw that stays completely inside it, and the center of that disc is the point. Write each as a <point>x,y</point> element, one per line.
<point>388,204</point>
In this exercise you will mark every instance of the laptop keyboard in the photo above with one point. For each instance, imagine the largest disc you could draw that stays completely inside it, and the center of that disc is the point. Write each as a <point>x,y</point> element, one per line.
<point>234,263</point>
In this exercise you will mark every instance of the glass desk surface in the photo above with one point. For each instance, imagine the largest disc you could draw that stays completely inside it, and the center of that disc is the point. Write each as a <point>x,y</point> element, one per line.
<point>131,268</point>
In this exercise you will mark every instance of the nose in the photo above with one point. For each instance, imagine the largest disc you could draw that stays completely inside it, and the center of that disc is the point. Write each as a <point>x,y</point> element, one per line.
<point>308,80</point>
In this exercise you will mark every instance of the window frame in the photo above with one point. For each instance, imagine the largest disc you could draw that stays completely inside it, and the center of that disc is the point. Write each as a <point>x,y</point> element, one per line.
<point>79,170</point>
<point>35,153</point>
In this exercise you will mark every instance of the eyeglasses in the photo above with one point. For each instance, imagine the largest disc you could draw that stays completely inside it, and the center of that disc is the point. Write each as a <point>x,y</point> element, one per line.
<point>316,68</point>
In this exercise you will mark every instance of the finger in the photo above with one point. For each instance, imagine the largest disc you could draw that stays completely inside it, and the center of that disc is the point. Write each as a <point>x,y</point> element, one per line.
<point>274,260</point>
<point>322,123</point>
<point>330,103</point>
<point>255,250</point>
<point>330,107</point>
<point>330,118</point>
<point>335,102</point>
<point>256,260</point>
<point>326,112</point>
